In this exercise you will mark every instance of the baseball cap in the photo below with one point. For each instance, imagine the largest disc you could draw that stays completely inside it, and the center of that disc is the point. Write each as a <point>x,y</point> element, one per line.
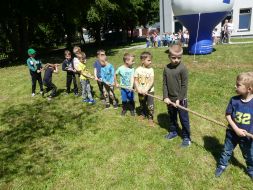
<point>31,51</point>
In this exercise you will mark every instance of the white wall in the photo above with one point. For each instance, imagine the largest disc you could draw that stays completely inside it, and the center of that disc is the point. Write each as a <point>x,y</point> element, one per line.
<point>240,4</point>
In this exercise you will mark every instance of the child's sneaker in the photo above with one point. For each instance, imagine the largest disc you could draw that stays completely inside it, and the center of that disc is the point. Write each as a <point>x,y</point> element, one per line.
<point>33,94</point>
<point>86,100</point>
<point>186,142</point>
<point>219,170</point>
<point>115,106</point>
<point>76,94</point>
<point>123,112</point>
<point>91,101</point>
<point>107,106</point>
<point>171,135</point>
<point>132,113</point>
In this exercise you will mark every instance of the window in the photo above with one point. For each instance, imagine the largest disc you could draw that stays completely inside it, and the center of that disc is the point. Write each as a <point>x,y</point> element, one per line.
<point>244,19</point>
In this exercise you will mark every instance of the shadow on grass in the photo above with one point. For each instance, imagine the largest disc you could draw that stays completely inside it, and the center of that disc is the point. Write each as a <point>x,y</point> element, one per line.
<point>212,145</point>
<point>163,122</point>
<point>29,145</point>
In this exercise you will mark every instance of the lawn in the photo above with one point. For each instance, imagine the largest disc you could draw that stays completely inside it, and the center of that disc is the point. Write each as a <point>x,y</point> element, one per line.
<point>65,144</point>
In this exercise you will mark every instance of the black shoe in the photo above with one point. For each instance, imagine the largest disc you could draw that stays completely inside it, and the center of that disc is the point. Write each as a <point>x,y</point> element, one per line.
<point>107,106</point>
<point>123,113</point>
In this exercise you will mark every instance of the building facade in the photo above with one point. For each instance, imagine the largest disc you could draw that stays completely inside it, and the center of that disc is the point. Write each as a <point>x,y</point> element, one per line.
<point>241,14</point>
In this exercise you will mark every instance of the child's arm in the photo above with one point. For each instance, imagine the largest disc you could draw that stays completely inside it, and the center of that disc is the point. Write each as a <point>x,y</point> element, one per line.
<point>184,85</point>
<point>65,67</point>
<point>87,74</point>
<point>237,130</point>
<point>115,78</point>
<point>112,82</point>
<point>165,89</point>
<point>56,68</point>
<point>150,83</point>
<point>95,73</point>
<point>136,85</point>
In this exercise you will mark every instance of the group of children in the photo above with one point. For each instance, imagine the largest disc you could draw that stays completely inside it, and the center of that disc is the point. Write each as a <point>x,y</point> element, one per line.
<point>239,111</point>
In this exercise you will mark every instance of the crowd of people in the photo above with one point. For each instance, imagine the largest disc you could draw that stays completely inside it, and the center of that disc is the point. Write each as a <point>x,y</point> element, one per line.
<point>239,112</point>
<point>167,39</point>
<point>223,36</point>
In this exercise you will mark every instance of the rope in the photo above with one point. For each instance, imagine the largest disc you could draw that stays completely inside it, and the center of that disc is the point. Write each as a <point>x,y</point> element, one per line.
<point>178,106</point>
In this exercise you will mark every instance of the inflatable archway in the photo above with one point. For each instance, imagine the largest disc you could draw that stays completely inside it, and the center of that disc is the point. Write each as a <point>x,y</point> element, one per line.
<point>200,17</point>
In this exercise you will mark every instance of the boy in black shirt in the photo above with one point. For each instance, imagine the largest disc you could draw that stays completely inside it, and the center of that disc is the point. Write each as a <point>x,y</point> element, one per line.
<point>47,81</point>
<point>175,85</point>
<point>68,66</point>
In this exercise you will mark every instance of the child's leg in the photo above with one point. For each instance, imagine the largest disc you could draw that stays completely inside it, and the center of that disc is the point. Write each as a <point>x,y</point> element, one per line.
<point>112,95</point>
<point>54,89</point>
<point>124,99</point>
<point>231,140</point>
<point>173,125</point>
<point>150,106</point>
<point>100,86</point>
<point>75,84</point>
<point>142,100</point>
<point>106,93</point>
<point>88,90</point>
<point>68,82</point>
<point>184,119</point>
<point>34,80</point>
<point>39,78</point>
<point>246,146</point>
<point>84,93</point>
<point>130,97</point>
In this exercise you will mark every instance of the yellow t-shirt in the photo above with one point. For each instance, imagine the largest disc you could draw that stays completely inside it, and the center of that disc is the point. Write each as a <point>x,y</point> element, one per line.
<point>143,75</point>
<point>81,67</point>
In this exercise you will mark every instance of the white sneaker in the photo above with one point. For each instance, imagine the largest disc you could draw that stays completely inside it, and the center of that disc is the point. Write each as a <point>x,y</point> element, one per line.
<point>33,94</point>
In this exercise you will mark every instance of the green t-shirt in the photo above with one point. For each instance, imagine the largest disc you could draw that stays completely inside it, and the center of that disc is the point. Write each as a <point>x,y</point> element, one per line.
<point>33,64</point>
<point>126,76</point>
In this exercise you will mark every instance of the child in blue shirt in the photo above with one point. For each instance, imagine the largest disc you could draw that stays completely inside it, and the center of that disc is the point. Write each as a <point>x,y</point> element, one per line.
<point>35,68</point>
<point>239,115</point>
<point>107,77</point>
<point>126,73</point>
<point>101,56</point>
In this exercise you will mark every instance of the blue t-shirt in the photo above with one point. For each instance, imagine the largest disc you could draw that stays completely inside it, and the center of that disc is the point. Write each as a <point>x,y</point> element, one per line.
<point>98,66</point>
<point>126,76</point>
<point>241,113</point>
<point>107,74</point>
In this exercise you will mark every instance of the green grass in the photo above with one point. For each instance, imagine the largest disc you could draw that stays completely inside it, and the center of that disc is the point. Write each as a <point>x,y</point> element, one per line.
<point>238,39</point>
<point>65,144</point>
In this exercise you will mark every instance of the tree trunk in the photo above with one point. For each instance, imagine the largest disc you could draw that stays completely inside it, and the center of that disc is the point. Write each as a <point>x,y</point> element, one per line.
<point>97,35</point>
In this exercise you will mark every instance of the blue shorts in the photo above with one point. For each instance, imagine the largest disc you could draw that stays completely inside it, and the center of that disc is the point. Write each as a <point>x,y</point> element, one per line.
<point>127,95</point>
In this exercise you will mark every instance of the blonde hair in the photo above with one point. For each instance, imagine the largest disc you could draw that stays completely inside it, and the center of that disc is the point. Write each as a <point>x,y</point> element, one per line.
<point>127,56</point>
<point>76,49</point>
<point>175,49</point>
<point>81,56</point>
<point>246,79</point>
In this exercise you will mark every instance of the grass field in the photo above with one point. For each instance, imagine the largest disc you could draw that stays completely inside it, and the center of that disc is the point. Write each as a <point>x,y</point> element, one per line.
<point>65,144</point>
